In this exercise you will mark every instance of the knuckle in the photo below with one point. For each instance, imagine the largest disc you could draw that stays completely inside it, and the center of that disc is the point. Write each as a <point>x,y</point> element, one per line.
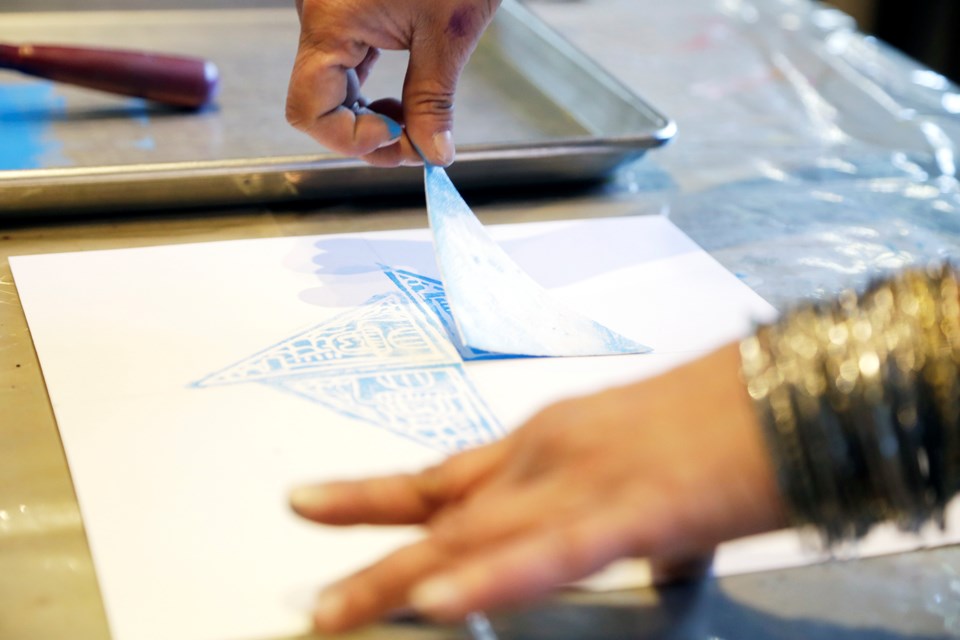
<point>549,416</point>
<point>434,100</point>
<point>572,551</point>
<point>433,483</point>
<point>452,531</point>
<point>295,116</point>
<point>551,423</point>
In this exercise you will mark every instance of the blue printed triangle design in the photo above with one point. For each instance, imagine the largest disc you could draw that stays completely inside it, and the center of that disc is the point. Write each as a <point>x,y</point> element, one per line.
<point>436,407</point>
<point>391,363</point>
<point>383,333</point>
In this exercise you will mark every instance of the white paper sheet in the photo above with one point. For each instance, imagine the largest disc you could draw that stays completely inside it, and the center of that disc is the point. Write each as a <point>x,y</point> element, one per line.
<point>194,385</point>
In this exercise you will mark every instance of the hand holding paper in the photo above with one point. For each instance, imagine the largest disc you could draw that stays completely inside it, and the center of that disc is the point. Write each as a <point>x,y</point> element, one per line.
<point>343,38</point>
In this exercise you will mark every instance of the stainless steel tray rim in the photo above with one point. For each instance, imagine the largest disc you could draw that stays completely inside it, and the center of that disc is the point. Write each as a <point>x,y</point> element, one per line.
<point>469,153</point>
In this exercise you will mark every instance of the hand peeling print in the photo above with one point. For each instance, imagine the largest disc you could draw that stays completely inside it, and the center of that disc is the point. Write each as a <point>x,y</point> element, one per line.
<point>394,362</point>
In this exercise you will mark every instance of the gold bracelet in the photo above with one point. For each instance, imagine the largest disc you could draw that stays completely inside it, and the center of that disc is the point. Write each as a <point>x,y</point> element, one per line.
<point>860,403</point>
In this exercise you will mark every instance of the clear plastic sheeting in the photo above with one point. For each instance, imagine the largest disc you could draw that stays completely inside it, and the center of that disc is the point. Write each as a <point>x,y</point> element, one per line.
<point>809,156</point>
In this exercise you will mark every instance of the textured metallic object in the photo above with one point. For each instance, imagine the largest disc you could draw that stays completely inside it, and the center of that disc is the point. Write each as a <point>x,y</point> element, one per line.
<point>861,404</point>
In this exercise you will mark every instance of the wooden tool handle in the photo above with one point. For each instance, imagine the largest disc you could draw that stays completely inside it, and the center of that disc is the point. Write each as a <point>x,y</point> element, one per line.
<point>174,80</point>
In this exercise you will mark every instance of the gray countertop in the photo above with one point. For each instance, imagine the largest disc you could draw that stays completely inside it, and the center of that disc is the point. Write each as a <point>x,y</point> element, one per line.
<point>808,159</point>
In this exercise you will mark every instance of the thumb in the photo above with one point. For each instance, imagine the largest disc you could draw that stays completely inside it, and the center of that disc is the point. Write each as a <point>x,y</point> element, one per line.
<point>437,57</point>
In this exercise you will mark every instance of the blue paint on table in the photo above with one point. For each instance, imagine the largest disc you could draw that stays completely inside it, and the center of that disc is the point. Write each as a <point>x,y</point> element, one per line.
<point>26,141</point>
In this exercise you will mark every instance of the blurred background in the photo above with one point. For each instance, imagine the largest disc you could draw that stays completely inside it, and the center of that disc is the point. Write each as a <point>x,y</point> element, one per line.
<point>923,29</point>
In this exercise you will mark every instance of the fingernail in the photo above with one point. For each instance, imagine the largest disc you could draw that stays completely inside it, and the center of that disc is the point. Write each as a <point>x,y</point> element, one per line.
<point>328,609</point>
<point>435,596</point>
<point>443,145</point>
<point>308,497</point>
<point>393,128</point>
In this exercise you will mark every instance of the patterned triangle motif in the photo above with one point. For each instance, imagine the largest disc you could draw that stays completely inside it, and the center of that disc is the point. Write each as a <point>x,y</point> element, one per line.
<point>388,331</point>
<point>390,363</point>
<point>437,407</point>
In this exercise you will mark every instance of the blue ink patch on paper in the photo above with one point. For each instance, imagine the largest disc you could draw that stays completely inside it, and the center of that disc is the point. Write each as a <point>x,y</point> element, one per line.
<point>25,116</point>
<point>389,363</point>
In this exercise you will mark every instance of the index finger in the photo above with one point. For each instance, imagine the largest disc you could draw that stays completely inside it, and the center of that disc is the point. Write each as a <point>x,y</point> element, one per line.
<point>397,499</point>
<point>319,87</point>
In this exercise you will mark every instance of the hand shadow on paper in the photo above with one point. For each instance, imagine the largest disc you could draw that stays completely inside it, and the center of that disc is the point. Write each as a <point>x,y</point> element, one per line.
<point>350,269</point>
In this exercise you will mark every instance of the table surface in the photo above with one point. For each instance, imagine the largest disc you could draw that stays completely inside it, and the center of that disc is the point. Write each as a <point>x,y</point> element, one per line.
<point>808,158</point>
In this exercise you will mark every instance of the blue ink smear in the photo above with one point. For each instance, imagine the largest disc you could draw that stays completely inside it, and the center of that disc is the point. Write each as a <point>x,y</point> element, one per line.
<point>139,111</point>
<point>146,143</point>
<point>25,116</point>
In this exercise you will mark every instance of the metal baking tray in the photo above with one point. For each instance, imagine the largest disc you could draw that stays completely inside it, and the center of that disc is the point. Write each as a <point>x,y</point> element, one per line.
<point>531,110</point>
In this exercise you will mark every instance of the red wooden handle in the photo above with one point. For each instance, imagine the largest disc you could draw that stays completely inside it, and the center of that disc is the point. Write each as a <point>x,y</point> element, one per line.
<point>174,80</point>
